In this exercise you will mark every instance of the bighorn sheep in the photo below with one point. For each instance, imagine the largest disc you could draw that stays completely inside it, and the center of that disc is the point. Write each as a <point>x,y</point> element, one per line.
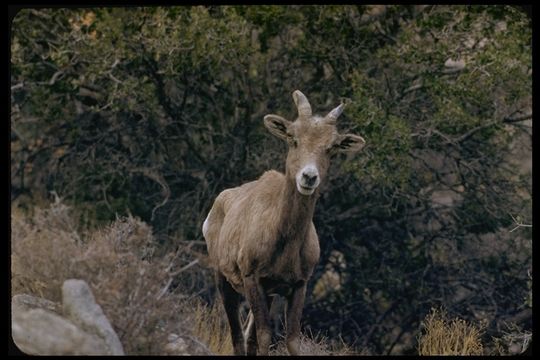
<point>260,236</point>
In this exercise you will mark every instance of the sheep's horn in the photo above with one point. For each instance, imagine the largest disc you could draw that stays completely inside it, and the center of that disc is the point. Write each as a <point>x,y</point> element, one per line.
<point>302,104</point>
<point>334,114</point>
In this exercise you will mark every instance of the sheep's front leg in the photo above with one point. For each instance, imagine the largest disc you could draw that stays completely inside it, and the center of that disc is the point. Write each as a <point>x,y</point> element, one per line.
<point>295,305</point>
<point>259,306</point>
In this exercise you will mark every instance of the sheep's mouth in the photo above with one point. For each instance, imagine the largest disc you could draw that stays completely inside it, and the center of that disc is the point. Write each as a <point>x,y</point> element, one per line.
<point>306,190</point>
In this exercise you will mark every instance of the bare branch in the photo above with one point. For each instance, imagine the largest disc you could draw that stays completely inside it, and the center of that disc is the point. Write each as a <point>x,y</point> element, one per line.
<point>173,274</point>
<point>469,133</point>
<point>184,268</point>
<point>519,224</point>
<point>517,118</point>
<point>55,77</point>
<point>151,174</point>
<point>18,86</point>
<point>114,78</point>
<point>412,88</point>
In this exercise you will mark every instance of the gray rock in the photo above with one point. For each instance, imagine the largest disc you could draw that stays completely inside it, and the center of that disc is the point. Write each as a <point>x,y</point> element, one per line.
<point>25,302</point>
<point>185,345</point>
<point>176,345</point>
<point>81,308</point>
<point>40,332</point>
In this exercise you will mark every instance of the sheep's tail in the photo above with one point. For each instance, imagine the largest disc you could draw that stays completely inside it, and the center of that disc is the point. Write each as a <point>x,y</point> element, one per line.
<point>250,323</point>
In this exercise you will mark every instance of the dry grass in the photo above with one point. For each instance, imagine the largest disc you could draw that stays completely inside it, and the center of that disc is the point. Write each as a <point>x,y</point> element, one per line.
<point>444,337</point>
<point>212,328</point>
<point>514,341</point>
<point>117,262</point>
<point>311,344</point>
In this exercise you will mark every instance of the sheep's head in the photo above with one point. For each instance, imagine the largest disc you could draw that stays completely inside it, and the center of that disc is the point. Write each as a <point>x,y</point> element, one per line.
<point>312,141</point>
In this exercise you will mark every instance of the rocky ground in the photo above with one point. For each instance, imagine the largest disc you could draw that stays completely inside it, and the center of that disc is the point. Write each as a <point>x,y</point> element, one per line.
<point>78,326</point>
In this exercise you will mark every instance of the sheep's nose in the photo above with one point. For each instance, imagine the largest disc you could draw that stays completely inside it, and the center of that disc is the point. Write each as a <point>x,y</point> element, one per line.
<point>309,178</point>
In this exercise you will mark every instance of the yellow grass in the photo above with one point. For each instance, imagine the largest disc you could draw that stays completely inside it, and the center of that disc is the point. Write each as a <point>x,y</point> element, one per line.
<point>211,328</point>
<point>442,336</point>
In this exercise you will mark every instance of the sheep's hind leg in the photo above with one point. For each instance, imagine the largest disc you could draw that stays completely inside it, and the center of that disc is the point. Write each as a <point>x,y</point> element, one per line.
<point>251,336</point>
<point>231,302</point>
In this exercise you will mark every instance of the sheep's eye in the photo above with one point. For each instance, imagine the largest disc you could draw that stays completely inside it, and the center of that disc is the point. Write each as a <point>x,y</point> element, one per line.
<point>331,150</point>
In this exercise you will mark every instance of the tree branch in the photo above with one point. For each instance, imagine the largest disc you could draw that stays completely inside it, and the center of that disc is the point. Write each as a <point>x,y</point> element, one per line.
<point>517,118</point>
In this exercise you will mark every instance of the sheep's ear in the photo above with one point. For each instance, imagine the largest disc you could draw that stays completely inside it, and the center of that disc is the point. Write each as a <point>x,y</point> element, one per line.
<point>349,143</point>
<point>277,125</point>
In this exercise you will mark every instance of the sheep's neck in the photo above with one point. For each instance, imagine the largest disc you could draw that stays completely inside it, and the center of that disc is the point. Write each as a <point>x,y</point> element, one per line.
<point>296,212</point>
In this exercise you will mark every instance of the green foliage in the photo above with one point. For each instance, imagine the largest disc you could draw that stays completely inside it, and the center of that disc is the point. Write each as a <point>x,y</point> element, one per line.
<point>386,161</point>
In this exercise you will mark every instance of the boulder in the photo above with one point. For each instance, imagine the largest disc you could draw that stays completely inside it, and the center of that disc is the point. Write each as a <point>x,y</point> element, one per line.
<point>25,302</point>
<point>41,332</point>
<point>80,307</point>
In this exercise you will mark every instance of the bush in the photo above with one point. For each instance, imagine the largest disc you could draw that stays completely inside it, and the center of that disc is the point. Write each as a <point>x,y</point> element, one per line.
<point>449,337</point>
<point>121,264</point>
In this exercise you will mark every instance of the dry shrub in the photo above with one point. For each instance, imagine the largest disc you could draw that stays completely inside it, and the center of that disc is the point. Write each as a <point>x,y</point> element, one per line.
<point>127,280</point>
<point>211,327</point>
<point>43,247</point>
<point>311,344</point>
<point>444,337</point>
<point>514,341</point>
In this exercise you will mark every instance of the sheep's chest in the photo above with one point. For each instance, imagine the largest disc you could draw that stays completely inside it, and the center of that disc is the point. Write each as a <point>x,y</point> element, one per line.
<point>288,265</point>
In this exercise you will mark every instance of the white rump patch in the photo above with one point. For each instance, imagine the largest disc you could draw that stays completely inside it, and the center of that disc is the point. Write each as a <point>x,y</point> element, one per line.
<point>205,226</point>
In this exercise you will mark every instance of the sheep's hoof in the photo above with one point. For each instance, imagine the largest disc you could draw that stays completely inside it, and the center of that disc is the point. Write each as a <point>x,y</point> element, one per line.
<point>264,340</point>
<point>252,348</point>
<point>239,349</point>
<point>293,345</point>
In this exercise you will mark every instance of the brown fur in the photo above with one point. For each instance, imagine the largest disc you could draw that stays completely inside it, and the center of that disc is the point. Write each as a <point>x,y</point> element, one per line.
<point>275,238</point>
<point>260,236</point>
